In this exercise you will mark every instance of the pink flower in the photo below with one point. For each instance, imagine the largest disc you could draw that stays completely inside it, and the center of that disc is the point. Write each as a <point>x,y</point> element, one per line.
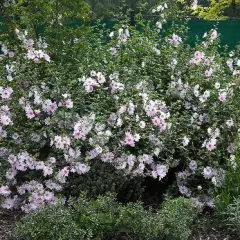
<point>161,171</point>
<point>47,171</point>
<point>89,89</point>
<point>30,43</point>
<point>36,60</point>
<point>81,168</point>
<point>122,109</point>
<point>175,40</point>
<point>199,55</point>
<point>211,145</point>
<point>29,113</point>
<point>213,35</point>
<point>123,38</point>
<point>100,78</point>
<point>64,172</point>
<point>6,94</point>
<point>193,165</point>
<point>11,203</point>
<point>5,120</point>
<point>113,51</point>
<point>163,125</point>
<point>47,121</point>
<point>156,121</point>
<point>5,191</point>
<point>208,73</point>
<point>37,111</point>
<point>207,173</point>
<point>222,96</point>
<point>154,174</point>
<point>129,139</point>
<point>52,107</point>
<point>48,196</point>
<point>184,190</point>
<point>69,103</point>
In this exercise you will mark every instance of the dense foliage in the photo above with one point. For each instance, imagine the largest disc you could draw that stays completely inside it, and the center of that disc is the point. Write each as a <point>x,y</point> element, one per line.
<point>217,9</point>
<point>105,218</point>
<point>137,98</point>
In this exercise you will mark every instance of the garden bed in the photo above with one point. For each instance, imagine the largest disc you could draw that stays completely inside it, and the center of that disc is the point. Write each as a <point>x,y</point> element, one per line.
<point>7,223</point>
<point>8,220</point>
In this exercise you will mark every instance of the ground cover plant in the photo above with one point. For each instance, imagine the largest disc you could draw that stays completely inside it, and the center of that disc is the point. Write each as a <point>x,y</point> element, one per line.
<point>138,100</point>
<point>144,102</point>
<point>105,218</point>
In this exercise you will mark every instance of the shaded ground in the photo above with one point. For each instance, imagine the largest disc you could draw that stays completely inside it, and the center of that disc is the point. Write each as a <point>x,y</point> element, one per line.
<point>208,227</point>
<point>7,224</point>
<point>213,234</point>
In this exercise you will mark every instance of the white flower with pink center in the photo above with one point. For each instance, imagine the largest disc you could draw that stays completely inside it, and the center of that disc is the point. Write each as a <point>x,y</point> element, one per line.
<point>47,171</point>
<point>208,73</point>
<point>161,171</point>
<point>69,103</point>
<point>223,96</point>
<point>156,121</point>
<point>5,191</point>
<point>113,51</point>
<point>199,55</point>
<point>100,78</point>
<point>6,93</point>
<point>29,112</point>
<point>211,144</point>
<point>5,120</point>
<point>207,173</point>
<point>122,109</point>
<point>175,40</point>
<point>129,139</point>
<point>213,35</point>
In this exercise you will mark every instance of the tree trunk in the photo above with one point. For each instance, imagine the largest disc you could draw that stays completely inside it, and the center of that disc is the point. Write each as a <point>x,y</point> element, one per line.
<point>234,8</point>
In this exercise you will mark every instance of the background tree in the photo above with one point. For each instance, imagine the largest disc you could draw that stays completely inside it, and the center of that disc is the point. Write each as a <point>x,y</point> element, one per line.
<point>55,20</point>
<point>218,9</point>
<point>105,8</point>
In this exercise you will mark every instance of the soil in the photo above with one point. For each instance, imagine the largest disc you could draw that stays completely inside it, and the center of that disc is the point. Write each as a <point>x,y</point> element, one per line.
<point>213,234</point>
<point>7,224</point>
<point>209,227</point>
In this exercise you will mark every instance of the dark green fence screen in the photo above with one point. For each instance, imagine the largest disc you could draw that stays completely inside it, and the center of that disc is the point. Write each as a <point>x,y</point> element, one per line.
<point>229,30</point>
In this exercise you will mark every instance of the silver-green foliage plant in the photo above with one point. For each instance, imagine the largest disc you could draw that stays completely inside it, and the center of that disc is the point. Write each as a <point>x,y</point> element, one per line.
<point>230,191</point>
<point>231,215</point>
<point>53,222</point>
<point>104,218</point>
<point>138,98</point>
<point>177,218</point>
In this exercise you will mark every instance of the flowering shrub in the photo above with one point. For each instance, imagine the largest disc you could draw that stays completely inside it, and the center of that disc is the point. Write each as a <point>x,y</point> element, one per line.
<point>102,178</point>
<point>143,102</point>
